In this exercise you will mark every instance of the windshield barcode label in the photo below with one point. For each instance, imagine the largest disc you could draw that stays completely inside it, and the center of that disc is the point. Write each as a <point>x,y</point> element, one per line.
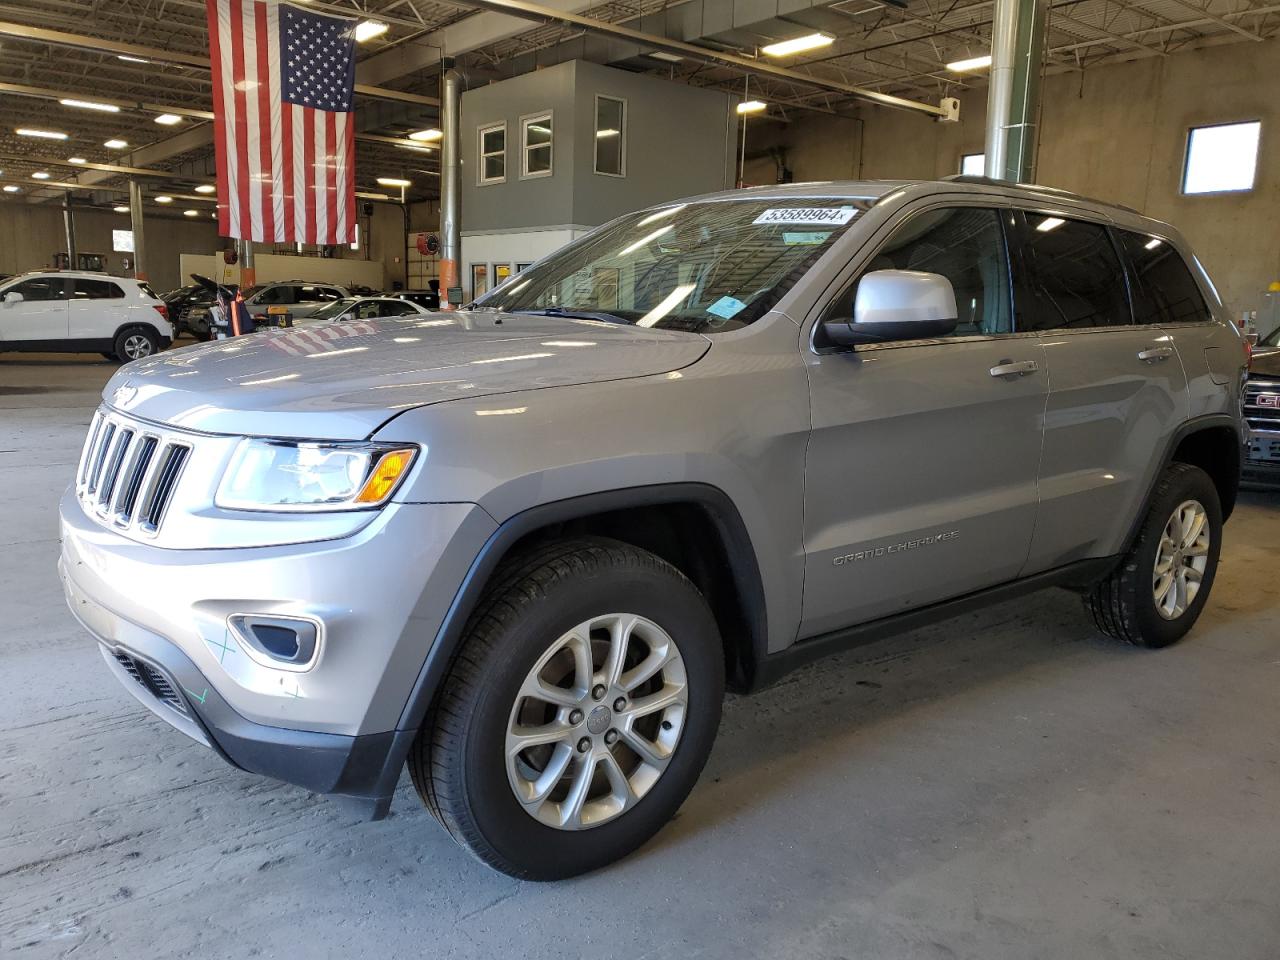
<point>813,215</point>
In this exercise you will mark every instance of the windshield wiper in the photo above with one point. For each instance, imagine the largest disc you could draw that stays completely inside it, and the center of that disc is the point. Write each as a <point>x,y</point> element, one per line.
<point>576,315</point>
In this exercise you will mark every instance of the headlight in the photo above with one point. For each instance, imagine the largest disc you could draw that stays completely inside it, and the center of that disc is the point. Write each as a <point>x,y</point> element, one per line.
<point>283,475</point>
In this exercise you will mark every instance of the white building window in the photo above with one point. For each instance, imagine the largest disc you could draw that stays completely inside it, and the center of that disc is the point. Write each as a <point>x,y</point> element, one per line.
<point>973,165</point>
<point>535,134</point>
<point>493,153</point>
<point>611,136</point>
<point>1221,158</point>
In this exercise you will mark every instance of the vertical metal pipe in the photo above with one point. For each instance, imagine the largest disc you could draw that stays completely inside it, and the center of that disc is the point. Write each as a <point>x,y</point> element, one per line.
<point>1013,98</point>
<point>450,182</point>
<point>248,275</point>
<point>139,241</point>
<point>69,223</point>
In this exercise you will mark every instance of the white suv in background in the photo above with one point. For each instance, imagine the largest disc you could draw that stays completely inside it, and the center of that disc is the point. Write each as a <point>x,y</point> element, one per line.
<point>82,312</point>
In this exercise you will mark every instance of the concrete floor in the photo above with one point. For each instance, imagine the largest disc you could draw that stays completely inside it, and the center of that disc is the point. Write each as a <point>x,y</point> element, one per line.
<point>1002,785</point>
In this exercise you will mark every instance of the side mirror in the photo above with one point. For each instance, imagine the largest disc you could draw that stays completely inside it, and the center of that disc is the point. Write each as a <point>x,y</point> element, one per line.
<point>13,296</point>
<point>897,305</point>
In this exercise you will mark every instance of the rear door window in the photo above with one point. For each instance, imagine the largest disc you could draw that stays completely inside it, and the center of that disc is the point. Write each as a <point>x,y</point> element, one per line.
<point>96,290</point>
<point>1071,276</point>
<point>1160,283</point>
<point>273,296</point>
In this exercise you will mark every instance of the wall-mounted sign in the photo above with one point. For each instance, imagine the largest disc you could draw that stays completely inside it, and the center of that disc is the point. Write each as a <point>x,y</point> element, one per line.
<point>122,241</point>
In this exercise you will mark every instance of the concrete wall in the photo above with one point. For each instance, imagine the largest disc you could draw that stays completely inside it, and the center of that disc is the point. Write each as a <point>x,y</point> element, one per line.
<point>30,234</point>
<point>1116,132</point>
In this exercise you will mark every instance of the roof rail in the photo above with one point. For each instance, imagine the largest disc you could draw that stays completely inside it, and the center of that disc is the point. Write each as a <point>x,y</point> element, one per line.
<point>995,182</point>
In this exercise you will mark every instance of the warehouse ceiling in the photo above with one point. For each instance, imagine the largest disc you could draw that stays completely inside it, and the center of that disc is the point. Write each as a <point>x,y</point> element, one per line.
<point>898,47</point>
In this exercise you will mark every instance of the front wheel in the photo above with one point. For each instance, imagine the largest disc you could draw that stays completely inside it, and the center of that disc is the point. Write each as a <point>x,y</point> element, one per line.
<point>1157,592</point>
<point>578,714</point>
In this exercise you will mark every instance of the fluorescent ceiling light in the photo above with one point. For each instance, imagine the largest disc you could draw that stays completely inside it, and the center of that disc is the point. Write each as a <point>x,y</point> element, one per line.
<point>393,182</point>
<point>786,48</point>
<point>191,213</point>
<point>75,160</point>
<point>372,196</point>
<point>751,106</point>
<point>431,134</point>
<point>1049,223</point>
<point>129,59</point>
<point>120,209</point>
<point>973,63</point>
<point>168,119</point>
<point>206,188</point>
<point>89,105</point>
<point>11,188</point>
<point>1152,243</point>
<point>601,134</point>
<point>368,29</point>
<point>39,175</point>
<point>43,134</point>
<point>164,199</point>
<point>115,143</point>
<point>666,57</point>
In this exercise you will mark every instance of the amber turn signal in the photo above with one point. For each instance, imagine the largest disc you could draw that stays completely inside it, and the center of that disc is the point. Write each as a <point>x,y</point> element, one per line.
<point>386,474</point>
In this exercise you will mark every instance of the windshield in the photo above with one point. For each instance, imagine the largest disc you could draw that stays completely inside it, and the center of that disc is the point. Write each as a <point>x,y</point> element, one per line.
<point>1272,339</point>
<point>701,267</point>
<point>331,311</point>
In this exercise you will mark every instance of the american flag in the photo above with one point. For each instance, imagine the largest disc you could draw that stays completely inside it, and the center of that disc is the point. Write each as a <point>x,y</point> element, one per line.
<point>283,79</point>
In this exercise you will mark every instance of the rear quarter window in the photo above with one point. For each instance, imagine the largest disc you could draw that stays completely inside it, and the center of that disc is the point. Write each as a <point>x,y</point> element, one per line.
<point>1161,284</point>
<point>96,290</point>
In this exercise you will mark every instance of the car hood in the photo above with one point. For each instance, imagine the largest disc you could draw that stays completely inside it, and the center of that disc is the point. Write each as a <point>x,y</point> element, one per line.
<point>1265,362</point>
<point>343,380</point>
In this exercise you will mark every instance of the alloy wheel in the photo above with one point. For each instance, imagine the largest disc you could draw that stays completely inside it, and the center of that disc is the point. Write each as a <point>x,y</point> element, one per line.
<point>136,346</point>
<point>1181,558</point>
<point>596,721</point>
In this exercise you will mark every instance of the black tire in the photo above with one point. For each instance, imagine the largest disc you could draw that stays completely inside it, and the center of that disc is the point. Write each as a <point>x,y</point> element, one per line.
<point>457,762</point>
<point>1123,605</point>
<point>130,341</point>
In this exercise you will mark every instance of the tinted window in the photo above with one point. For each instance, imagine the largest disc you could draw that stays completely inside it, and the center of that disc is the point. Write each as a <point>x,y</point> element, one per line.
<point>309,294</point>
<point>96,290</point>
<point>276,295</point>
<point>963,244</point>
<point>41,288</point>
<point>1072,278</point>
<point>1163,289</point>
<point>390,309</point>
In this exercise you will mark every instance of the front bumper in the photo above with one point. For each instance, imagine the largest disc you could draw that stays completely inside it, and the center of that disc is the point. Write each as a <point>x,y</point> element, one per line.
<point>161,618</point>
<point>1262,460</point>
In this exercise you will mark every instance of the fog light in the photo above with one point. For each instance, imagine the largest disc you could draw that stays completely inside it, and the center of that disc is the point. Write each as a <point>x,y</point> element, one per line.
<point>291,643</point>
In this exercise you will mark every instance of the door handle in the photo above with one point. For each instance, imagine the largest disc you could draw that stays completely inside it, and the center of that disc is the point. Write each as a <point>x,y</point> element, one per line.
<point>1011,368</point>
<point>1155,354</point>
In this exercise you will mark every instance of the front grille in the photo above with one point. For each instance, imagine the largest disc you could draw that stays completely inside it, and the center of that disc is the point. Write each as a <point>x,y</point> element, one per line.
<point>1262,415</point>
<point>128,472</point>
<point>152,679</point>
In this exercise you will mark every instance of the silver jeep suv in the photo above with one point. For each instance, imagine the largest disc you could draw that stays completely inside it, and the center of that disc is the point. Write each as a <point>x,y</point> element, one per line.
<point>526,546</point>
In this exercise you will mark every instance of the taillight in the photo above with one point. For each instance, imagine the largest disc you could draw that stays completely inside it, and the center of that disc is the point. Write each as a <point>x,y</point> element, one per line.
<point>162,309</point>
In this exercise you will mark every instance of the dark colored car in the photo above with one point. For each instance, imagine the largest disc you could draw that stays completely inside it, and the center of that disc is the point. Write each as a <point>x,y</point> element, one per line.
<point>189,310</point>
<point>1262,411</point>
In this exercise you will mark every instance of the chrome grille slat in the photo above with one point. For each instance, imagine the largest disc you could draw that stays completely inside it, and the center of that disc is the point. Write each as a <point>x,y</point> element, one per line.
<point>1265,419</point>
<point>129,471</point>
<point>111,470</point>
<point>100,456</point>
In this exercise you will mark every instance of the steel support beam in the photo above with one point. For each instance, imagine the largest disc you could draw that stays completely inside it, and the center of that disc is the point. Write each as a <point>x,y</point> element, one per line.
<point>450,185</point>
<point>69,224</point>
<point>139,240</point>
<point>1013,97</point>
<point>59,38</point>
<point>538,13</point>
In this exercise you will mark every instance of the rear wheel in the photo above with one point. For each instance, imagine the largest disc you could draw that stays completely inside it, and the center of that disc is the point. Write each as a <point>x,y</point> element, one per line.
<point>134,344</point>
<point>1157,592</point>
<point>579,713</point>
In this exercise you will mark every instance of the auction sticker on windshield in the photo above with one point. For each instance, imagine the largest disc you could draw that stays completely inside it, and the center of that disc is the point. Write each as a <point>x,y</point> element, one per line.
<point>807,215</point>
